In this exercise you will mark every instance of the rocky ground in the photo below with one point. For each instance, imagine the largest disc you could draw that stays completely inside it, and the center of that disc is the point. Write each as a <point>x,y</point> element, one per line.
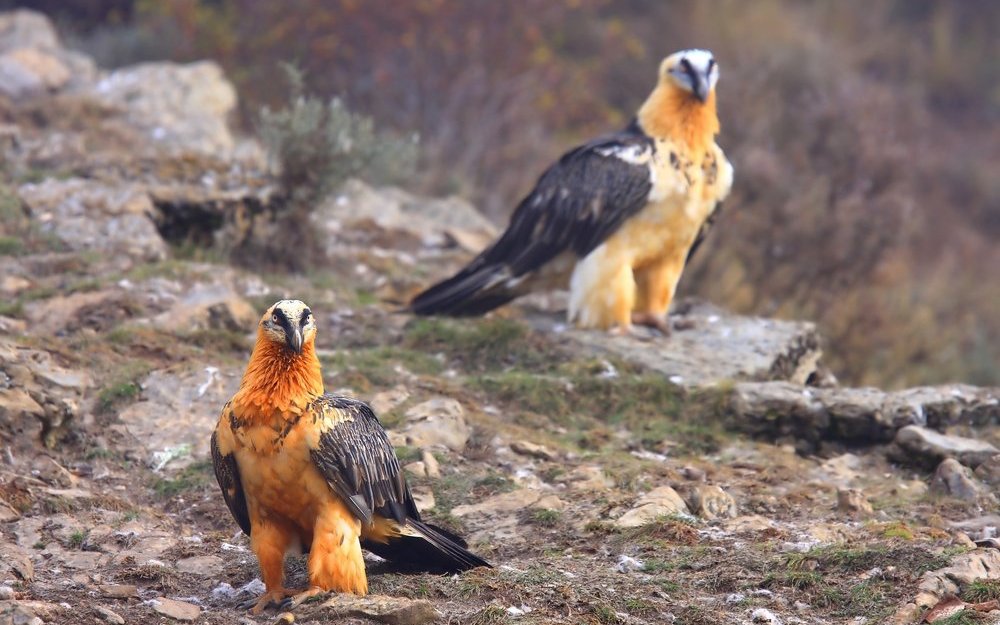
<point>716,476</point>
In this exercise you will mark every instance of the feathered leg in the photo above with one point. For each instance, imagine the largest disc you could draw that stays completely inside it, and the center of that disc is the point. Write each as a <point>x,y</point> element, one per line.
<point>335,560</point>
<point>656,283</point>
<point>269,541</point>
<point>602,293</point>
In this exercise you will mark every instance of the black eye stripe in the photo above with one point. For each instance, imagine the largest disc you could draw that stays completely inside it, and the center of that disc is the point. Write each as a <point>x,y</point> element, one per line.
<point>305,317</point>
<point>282,318</point>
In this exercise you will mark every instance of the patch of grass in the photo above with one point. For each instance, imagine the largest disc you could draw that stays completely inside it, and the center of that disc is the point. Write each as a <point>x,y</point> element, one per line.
<point>965,617</point>
<point>481,344</point>
<point>802,579</point>
<point>76,539</point>
<point>606,615</point>
<point>406,454</point>
<point>11,246</point>
<point>117,393</point>
<point>897,529</point>
<point>490,615</point>
<point>365,369</point>
<point>982,590</point>
<point>191,477</point>
<point>545,517</point>
<point>13,308</point>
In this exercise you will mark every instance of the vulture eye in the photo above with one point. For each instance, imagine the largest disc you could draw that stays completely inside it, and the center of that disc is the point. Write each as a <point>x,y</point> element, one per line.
<point>275,319</point>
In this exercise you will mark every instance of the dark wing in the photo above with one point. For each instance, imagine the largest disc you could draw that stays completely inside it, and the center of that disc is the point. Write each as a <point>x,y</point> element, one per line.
<point>703,231</point>
<point>575,206</point>
<point>228,475</point>
<point>358,461</point>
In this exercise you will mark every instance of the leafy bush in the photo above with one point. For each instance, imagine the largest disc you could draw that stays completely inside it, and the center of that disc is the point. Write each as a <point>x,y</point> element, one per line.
<point>314,146</point>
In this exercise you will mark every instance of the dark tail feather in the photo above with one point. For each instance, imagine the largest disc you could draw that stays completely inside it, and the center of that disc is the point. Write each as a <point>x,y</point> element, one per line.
<point>433,551</point>
<point>471,292</point>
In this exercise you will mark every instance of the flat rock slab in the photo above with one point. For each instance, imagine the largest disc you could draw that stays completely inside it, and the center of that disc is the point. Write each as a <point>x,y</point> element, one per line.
<point>177,610</point>
<point>378,608</point>
<point>924,446</point>
<point>713,347</point>
<point>193,398</point>
<point>858,415</point>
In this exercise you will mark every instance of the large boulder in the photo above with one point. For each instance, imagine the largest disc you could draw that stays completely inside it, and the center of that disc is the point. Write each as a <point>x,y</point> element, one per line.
<point>33,61</point>
<point>179,108</point>
<point>87,215</point>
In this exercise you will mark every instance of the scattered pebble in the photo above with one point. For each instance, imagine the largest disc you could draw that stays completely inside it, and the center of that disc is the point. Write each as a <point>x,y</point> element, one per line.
<point>6,593</point>
<point>735,597</point>
<point>177,610</point>
<point>763,615</point>
<point>285,618</point>
<point>110,615</point>
<point>627,564</point>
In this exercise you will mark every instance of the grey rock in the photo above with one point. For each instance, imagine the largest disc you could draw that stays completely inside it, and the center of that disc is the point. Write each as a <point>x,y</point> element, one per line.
<point>659,502</point>
<point>34,388</point>
<point>177,610</point>
<point>924,446</point>
<point>989,471</point>
<point>214,306</point>
<point>6,593</point>
<point>180,108</point>
<point>26,29</point>
<point>109,615</point>
<point>717,346</point>
<point>436,422</point>
<point>205,566</point>
<point>853,502</point>
<point>709,502</point>
<point>378,608</point>
<point>193,396</point>
<point>980,564</point>
<point>778,410</point>
<point>955,480</point>
<point>431,221</point>
<point>87,215</point>
<point>33,61</point>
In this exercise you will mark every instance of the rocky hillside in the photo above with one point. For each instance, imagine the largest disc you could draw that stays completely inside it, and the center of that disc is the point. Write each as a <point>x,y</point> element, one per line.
<point>716,476</point>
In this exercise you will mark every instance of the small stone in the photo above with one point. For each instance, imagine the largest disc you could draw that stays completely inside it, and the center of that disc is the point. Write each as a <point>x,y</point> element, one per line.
<point>177,610</point>
<point>285,618</point>
<point>110,615</point>
<point>6,593</point>
<point>763,615</point>
<point>926,446</point>
<point>385,401</point>
<point>693,473</point>
<point>748,524</point>
<point>206,566</point>
<point>587,477</point>
<point>424,499</point>
<point>118,591</point>
<point>955,480</point>
<point>659,502</point>
<point>853,502</point>
<point>514,501</point>
<point>709,502</point>
<point>534,450</point>
<point>416,469</point>
<point>12,285</point>
<point>431,464</point>
<point>989,471</point>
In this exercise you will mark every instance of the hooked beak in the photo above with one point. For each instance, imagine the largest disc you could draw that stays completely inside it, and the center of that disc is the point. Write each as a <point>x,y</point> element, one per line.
<point>294,339</point>
<point>700,86</point>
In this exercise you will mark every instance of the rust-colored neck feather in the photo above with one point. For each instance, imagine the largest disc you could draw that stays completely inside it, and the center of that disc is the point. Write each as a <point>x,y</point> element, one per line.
<point>670,113</point>
<point>277,382</point>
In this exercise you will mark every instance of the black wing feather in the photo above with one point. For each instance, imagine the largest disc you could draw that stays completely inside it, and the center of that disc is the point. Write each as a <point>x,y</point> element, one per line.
<point>360,464</point>
<point>228,475</point>
<point>575,206</point>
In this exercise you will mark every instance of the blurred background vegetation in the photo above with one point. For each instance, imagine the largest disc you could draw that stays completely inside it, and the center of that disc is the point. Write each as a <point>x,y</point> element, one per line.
<point>864,134</point>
